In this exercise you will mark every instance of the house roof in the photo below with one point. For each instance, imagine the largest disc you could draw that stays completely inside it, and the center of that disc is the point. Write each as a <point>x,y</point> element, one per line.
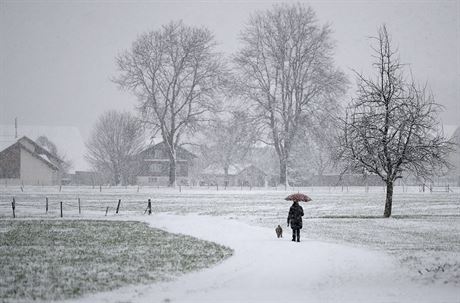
<point>37,152</point>
<point>180,150</point>
<point>67,139</point>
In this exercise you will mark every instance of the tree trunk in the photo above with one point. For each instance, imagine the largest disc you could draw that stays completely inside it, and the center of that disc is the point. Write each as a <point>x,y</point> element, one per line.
<point>389,199</point>
<point>116,177</point>
<point>283,172</point>
<point>172,172</point>
<point>226,176</point>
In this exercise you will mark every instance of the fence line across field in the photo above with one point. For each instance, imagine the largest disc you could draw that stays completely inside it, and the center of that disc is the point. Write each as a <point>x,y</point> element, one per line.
<point>42,202</point>
<point>61,206</point>
<point>180,188</point>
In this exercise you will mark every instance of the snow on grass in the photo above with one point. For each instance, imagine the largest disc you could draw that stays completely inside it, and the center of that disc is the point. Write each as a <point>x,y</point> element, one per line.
<point>423,233</point>
<point>57,259</point>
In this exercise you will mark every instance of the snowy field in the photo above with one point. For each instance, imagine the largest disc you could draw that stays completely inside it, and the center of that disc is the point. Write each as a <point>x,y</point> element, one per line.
<point>422,237</point>
<point>57,259</point>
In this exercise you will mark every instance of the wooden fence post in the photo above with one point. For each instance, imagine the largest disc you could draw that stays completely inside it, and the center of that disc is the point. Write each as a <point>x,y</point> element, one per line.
<point>149,205</point>
<point>61,209</point>
<point>46,207</point>
<point>13,205</point>
<point>79,206</point>
<point>106,211</point>
<point>118,206</point>
<point>100,188</point>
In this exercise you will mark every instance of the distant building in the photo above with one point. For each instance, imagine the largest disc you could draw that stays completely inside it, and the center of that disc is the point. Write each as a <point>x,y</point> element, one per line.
<point>346,180</point>
<point>238,175</point>
<point>68,140</point>
<point>155,166</point>
<point>83,178</point>
<point>26,162</point>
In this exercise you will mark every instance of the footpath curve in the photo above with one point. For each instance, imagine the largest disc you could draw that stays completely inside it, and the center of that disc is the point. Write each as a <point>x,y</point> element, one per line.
<point>266,269</point>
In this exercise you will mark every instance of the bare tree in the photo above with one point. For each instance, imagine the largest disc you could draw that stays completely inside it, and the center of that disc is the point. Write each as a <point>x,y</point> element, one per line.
<point>287,71</point>
<point>65,164</point>
<point>175,73</point>
<point>114,144</point>
<point>228,142</point>
<point>391,127</point>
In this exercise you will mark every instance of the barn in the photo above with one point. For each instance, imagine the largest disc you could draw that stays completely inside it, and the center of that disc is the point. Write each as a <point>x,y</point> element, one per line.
<point>25,162</point>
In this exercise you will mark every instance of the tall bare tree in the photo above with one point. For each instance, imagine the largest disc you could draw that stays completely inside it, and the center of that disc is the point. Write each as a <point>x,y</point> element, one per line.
<point>229,141</point>
<point>175,72</point>
<point>115,142</point>
<point>287,71</point>
<point>391,127</point>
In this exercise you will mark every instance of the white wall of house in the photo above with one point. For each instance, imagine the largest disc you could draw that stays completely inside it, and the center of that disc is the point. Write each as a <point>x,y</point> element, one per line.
<point>160,181</point>
<point>35,172</point>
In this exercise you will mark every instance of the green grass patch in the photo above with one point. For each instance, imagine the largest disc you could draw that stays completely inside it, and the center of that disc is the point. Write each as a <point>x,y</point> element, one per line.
<point>58,259</point>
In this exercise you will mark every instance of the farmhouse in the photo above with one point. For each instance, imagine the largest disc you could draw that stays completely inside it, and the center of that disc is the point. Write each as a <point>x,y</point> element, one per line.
<point>25,162</point>
<point>238,175</point>
<point>155,166</point>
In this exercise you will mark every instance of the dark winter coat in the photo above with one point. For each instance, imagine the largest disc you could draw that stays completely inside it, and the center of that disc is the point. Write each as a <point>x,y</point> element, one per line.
<point>295,216</point>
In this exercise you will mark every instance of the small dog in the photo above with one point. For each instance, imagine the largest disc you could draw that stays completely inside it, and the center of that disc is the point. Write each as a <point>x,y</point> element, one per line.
<point>279,231</point>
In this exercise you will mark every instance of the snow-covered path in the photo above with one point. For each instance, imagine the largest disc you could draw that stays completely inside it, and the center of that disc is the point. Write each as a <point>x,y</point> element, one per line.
<point>267,269</point>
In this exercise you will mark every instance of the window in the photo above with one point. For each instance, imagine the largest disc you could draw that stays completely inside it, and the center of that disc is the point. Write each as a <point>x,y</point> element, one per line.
<point>155,168</point>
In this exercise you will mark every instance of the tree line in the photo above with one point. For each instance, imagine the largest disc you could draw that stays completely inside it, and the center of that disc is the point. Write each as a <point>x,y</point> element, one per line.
<point>282,90</point>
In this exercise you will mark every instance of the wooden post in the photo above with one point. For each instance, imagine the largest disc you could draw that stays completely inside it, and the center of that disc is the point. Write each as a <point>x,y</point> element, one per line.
<point>60,188</point>
<point>46,207</point>
<point>61,209</point>
<point>106,211</point>
<point>118,206</point>
<point>13,205</point>
<point>180,188</point>
<point>22,188</point>
<point>100,188</point>
<point>79,206</point>
<point>149,206</point>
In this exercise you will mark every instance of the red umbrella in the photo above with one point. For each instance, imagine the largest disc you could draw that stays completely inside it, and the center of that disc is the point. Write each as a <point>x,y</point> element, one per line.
<point>298,197</point>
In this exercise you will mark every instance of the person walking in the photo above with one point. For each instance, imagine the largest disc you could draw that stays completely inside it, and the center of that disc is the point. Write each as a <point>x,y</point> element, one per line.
<point>295,220</point>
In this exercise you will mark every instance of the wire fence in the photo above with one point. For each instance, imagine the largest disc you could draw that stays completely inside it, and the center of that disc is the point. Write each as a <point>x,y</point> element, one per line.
<point>75,201</point>
<point>74,207</point>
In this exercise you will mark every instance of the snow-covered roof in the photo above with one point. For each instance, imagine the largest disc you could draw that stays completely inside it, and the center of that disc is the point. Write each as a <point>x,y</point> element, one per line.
<point>68,140</point>
<point>449,130</point>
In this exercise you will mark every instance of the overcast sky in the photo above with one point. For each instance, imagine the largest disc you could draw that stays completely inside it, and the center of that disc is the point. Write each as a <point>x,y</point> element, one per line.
<point>57,57</point>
